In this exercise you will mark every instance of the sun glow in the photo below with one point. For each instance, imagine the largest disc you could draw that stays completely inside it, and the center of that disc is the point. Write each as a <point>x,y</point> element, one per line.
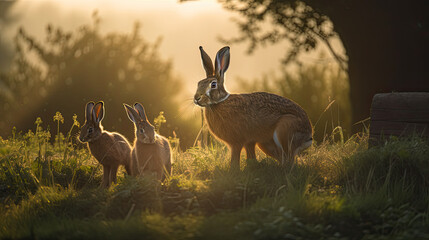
<point>183,26</point>
<point>190,8</point>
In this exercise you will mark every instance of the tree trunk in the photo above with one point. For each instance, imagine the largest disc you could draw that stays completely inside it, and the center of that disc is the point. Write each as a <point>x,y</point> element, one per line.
<point>387,44</point>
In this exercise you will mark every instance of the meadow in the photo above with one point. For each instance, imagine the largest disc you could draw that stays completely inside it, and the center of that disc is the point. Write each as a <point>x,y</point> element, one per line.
<point>338,189</point>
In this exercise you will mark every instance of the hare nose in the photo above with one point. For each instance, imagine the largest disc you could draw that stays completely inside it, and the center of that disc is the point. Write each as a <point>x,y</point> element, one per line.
<point>197,97</point>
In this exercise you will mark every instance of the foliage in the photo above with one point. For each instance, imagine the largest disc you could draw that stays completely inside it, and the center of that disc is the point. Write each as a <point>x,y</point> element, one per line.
<point>381,60</point>
<point>337,190</point>
<point>303,26</point>
<point>401,166</point>
<point>70,68</point>
<point>321,89</point>
<point>6,19</point>
<point>29,161</point>
<point>158,121</point>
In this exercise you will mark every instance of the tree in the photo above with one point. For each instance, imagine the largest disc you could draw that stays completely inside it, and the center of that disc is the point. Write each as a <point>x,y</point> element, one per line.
<point>386,42</point>
<point>5,19</point>
<point>77,67</point>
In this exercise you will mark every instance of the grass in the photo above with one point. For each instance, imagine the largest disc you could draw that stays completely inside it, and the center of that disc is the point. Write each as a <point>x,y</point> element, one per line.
<point>336,190</point>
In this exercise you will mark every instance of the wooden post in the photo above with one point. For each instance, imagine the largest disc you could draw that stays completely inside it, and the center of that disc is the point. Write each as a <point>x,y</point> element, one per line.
<point>399,114</point>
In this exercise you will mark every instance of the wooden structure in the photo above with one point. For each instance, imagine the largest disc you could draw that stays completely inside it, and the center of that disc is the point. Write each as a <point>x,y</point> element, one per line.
<point>399,114</point>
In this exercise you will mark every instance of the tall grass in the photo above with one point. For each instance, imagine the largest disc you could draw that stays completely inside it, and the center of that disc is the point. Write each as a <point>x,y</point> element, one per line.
<point>336,190</point>
<point>30,161</point>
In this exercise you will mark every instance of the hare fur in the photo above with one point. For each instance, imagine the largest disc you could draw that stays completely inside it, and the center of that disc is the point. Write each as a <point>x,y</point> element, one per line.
<point>151,153</point>
<point>111,149</point>
<point>279,126</point>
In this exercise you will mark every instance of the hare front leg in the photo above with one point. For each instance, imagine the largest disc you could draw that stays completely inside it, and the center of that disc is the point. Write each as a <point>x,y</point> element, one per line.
<point>106,172</point>
<point>250,150</point>
<point>235,157</point>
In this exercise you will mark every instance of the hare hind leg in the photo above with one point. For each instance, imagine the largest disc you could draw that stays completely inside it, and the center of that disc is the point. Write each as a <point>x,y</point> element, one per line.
<point>270,148</point>
<point>304,146</point>
<point>128,165</point>
<point>289,138</point>
<point>113,173</point>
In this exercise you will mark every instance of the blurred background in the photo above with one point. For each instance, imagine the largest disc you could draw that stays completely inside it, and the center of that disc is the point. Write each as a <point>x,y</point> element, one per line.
<point>58,55</point>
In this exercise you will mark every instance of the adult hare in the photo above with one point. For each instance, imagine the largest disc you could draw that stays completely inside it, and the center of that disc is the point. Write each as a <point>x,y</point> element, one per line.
<point>111,149</point>
<point>279,126</point>
<point>151,152</point>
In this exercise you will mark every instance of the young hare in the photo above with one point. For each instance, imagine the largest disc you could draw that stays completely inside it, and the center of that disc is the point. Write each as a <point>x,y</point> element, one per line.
<point>279,126</point>
<point>151,152</point>
<point>111,149</point>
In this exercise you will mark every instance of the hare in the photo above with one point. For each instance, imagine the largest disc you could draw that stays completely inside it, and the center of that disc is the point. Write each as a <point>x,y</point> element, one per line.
<point>279,126</point>
<point>111,149</point>
<point>151,152</point>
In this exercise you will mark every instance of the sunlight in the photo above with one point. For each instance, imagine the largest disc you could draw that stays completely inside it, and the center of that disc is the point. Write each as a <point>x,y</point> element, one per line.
<point>116,124</point>
<point>182,27</point>
<point>192,8</point>
<point>186,9</point>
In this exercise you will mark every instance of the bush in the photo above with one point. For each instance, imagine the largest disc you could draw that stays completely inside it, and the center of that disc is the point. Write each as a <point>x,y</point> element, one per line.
<point>74,67</point>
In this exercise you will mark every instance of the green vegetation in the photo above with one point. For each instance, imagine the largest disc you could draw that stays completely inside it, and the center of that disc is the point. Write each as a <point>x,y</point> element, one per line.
<point>69,68</point>
<point>337,190</point>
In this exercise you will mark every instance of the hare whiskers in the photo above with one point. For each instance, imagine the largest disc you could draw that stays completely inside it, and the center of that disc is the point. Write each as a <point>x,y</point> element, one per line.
<point>279,126</point>
<point>184,108</point>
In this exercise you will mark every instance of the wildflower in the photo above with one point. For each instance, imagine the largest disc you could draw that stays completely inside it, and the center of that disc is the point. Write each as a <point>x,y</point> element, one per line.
<point>75,122</point>
<point>158,121</point>
<point>38,121</point>
<point>58,117</point>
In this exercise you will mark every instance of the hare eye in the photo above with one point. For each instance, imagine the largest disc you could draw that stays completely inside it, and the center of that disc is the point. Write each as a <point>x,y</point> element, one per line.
<point>141,130</point>
<point>214,85</point>
<point>90,130</point>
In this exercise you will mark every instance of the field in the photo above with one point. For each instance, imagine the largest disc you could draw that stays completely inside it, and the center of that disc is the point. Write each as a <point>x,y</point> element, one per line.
<point>336,190</point>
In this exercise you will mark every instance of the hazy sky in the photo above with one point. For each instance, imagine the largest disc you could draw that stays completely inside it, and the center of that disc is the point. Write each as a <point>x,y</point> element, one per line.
<point>183,27</point>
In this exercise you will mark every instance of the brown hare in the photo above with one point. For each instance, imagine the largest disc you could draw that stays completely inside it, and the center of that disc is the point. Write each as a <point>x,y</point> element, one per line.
<point>279,126</point>
<point>151,152</point>
<point>111,149</point>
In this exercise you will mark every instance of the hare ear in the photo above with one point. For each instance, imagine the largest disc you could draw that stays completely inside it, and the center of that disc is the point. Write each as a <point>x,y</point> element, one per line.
<point>222,62</point>
<point>132,114</point>
<point>98,112</point>
<point>88,110</point>
<point>140,109</point>
<point>207,63</point>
